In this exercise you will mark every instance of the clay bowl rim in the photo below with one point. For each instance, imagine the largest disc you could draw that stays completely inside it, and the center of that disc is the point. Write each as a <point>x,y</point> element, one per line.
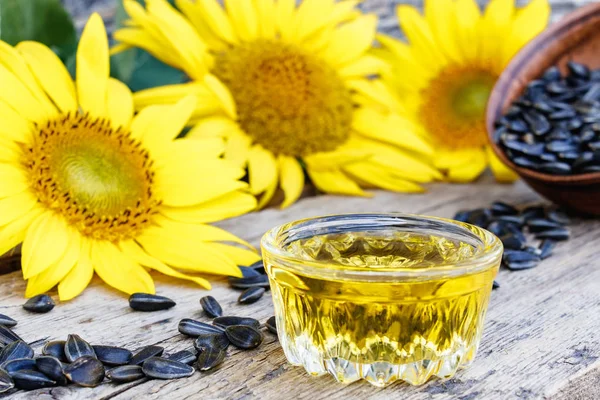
<point>498,96</point>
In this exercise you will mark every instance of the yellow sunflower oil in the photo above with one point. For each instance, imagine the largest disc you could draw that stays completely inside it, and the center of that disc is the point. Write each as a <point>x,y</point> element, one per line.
<point>356,326</point>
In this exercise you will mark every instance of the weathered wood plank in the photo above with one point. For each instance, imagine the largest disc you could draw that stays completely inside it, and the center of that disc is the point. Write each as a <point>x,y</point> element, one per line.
<point>541,330</point>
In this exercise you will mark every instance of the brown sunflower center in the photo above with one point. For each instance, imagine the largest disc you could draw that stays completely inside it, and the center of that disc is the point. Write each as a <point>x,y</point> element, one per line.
<point>453,107</point>
<point>98,178</point>
<point>288,101</point>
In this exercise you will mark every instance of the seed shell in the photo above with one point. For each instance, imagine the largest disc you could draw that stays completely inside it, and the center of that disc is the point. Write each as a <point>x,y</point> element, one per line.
<point>248,272</point>
<point>150,302</point>
<point>520,256</point>
<point>259,267</point>
<point>7,321</point>
<point>211,306</point>
<point>510,241</point>
<point>271,325</point>
<point>52,368</point>
<point>210,358</point>
<point>541,224</point>
<point>230,320</point>
<point>146,353</point>
<point>546,248</point>
<point>216,340</point>
<point>7,336</point>
<point>31,380</point>
<point>501,208</point>
<point>86,371</point>
<point>55,348</point>
<point>244,337</point>
<point>15,350</point>
<point>20,364</point>
<point>557,234</point>
<point>125,373</point>
<point>162,368</point>
<point>6,382</point>
<point>251,295</point>
<point>76,347</point>
<point>183,356</point>
<point>40,304</point>
<point>112,356</point>
<point>252,281</point>
<point>195,328</point>
<point>517,266</point>
<point>495,285</point>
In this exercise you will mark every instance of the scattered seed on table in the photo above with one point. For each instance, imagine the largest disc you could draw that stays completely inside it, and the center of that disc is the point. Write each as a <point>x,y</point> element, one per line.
<point>259,267</point>
<point>86,371</point>
<point>271,325</point>
<point>145,353</point>
<point>211,306</point>
<point>519,257</point>
<point>162,368</point>
<point>7,321</point>
<point>31,380</point>
<point>150,302</point>
<point>210,358</point>
<point>20,364</point>
<point>112,356</point>
<point>252,281</point>
<point>55,348</point>
<point>247,272</point>
<point>495,285</point>
<point>125,373</point>
<point>251,295</point>
<point>52,368</point>
<point>183,356</point>
<point>244,337</point>
<point>7,336</point>
<point>216,340</point>
<point>15,350</point>
<point>230,320</point>
<point>501,208</point>
<point>546,248</point>
<point>76,347</point>
<point>557,234</point>
<point>542,224</point>
<point>6,382</point>
<point>40,304</point>
<point>521,265</point>
<point>195,328</point>
<point>559,216</point>
<point>510,241</point>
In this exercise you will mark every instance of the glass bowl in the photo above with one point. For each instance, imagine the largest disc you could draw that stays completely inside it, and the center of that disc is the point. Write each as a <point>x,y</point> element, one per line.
<point>380,297</point>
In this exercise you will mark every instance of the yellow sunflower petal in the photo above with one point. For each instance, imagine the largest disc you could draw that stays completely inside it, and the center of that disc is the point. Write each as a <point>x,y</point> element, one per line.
<point>267,195</point>
<point>51,74</point>
<point>212,126</point>
<point>419,34</point>
<point>351,40</point>
<point>216,18</point>
<point>190,9</point>
<point>221,92</point>
<point>291,179</point>
<point>80,275</point>
<point>119,271</point>
<point>529,22</point>
<point>441,21</point>
<point>167,126</point>
<point>470,170</point>
<point>364,66</point>
<point>501,171</point>
<point>468,18</point>
<point>185,149</point>
<point>93,67</point>
<point>242,15</point>
<point>380,177</point>
<point>14,233</point>
<point>119,103</point>
<point>15,206</point>
<point>239,255</point>
<point>312,15</point>
<point>335,182</point>
<point>14,181</point>
<point>137,254</point>
<point>40,253</point>
<point>10,152</point>
<point>265,11</point>
<point>19,98</point>
<point>49,278</point>
<point>220,208</point>
<point>285,11</point>
<point>237,148</point>
<point>262,169</point>
<point>14,126</point>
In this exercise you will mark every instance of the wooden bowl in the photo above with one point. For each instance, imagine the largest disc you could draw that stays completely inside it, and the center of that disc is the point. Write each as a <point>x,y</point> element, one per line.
<point>574,38</point>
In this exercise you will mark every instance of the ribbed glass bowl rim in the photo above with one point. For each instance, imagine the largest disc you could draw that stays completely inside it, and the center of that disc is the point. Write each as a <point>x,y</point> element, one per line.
<point>485,258</point>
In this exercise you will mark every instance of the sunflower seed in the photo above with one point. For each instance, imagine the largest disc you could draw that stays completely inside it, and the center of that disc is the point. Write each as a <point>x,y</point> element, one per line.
<point>558,217</point>
<point>518,125</point>
<point>593,93</point>
<point>541,224</point>
<point>7,321</point>
<point>162,368</point>
<point>86,371</point>
<point>520,256</point>
<point>145,353</point>
<point>551,74</point>
<point>251,295</point>
<point>560,146</point>
<point>125,373</point>
<point>495,285</point>
<point>546,248</point>
<point>558,168</point>
<point>40,304</point>
<point>112,356</point>
<point>557,234</point>
<point>516,231</point>
<point>56,349</point>
<point>525,162</point>
<point>510,241</point>
<point>511,219</point>
<point>31,380</point>
<point>195,328</point>
<point>15,350</point>
<point>183,356</point>
<point>533,212</point>
<point>590,169</point>
<point>52,368</point>
<point>150,302</point>
<point>462,216</point>
<point>76,347</point>
<point>211,306</point>
<point>247,272</point>
<point>244,336</point>
<point>210,358</point>
<point>224,322</point>
<point>6,382</point>
<point>497,228</point>
<point>7,336</point>
<point>19,364</point>
<point>578,70</point>
<point>271,325</point>
<point>252,281</point>
<point>533,250</point>
<point>215,340</point>
<point>259,267</point>
<point>501,208</point>
<point>517,266</point>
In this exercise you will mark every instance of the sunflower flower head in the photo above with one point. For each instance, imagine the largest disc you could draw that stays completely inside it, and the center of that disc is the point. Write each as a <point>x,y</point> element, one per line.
<point>445,73</point>
<point>285,86</point>
<point>88,187</point>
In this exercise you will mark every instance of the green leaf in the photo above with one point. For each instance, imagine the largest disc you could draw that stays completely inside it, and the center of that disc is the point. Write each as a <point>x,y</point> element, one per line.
<point>45,21</point>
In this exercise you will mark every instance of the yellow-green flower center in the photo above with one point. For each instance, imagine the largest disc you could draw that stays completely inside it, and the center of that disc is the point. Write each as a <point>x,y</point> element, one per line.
<point>453,106</point>
<point>287,100</point>
<point>98,178</point>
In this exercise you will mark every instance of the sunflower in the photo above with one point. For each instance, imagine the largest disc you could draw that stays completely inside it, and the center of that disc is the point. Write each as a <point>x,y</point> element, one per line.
<point>88,188</point>
<point>444,75</point>
<point>287,87</point>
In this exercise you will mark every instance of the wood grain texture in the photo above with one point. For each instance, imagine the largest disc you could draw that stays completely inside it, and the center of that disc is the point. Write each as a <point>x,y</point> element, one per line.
<point>541,329</point>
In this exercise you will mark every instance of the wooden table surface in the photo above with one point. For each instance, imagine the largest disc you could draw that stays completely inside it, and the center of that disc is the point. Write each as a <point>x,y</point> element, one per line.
<point>541,337</point>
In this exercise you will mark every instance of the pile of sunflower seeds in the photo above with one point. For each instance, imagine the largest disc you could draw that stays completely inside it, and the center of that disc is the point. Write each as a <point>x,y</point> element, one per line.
<point>554,127</point>
<point>254,283</point>
<point>546,224</point>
